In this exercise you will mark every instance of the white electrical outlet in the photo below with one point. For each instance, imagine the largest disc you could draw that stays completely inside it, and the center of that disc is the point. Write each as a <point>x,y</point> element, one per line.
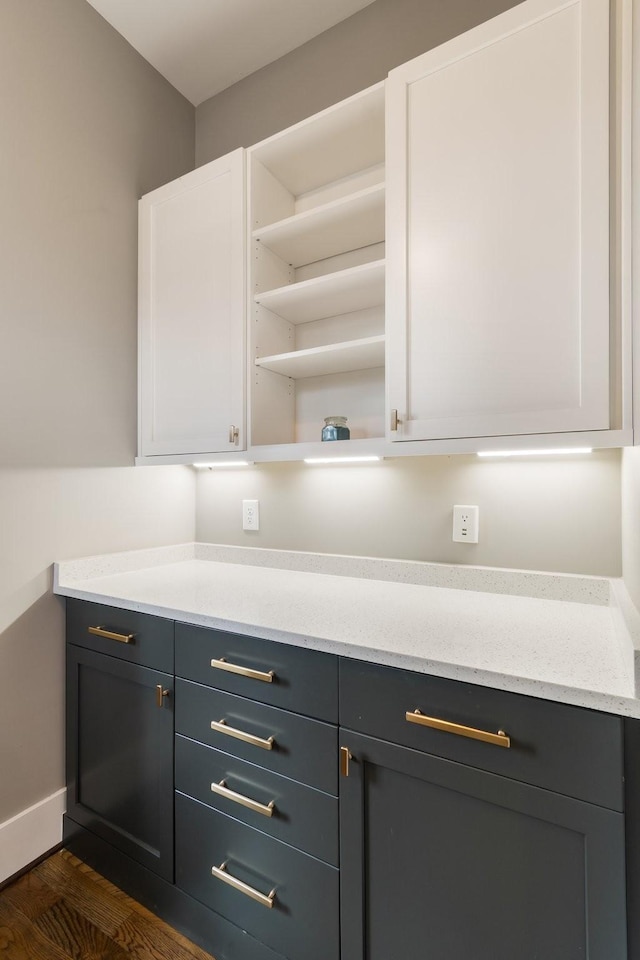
<point>465,523</point>
<point>250,515</point>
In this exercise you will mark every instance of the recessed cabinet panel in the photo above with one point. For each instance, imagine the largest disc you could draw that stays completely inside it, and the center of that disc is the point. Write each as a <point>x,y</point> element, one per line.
<point>474,865</point>
<point>120,755</point>
<point>498,218</point>
<point>192,312</point>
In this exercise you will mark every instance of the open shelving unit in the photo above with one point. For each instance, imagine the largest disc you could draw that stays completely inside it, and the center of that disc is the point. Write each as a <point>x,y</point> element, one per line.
<point>317,275</point>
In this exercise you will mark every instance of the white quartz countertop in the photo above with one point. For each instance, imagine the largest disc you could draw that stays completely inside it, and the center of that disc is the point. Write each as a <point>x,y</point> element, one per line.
<point>481,629</point>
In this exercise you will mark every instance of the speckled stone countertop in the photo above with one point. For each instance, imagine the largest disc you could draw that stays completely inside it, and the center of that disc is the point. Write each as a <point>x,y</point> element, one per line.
<point>560,637</point>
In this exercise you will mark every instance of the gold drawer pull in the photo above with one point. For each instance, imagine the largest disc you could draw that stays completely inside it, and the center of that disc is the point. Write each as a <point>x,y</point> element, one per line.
<point>161,693</point>
<point>221,727</point>
<point>222,664</point>
<point>109,635</point>
<point>266,809</point>
<point>265,899</point>
<point>499,739</point>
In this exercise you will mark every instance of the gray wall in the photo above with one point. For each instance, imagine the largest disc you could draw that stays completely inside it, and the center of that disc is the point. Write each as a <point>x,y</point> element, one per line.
<point>87,126</point>
<point>554,515</point>
<point>352,55</point>
<point>558,514</point>
<point>631,457</point>
<point>631,522</point>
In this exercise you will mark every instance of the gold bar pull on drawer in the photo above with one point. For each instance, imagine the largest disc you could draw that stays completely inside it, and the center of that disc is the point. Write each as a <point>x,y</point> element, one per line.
<point>221,727</point>
<point>222,664</point>
<point>265,899</point>
<point>161,693</point>
<point>499,739</point>
<point>110,635</point>
<point>266,809</point>
<point>345,757</point>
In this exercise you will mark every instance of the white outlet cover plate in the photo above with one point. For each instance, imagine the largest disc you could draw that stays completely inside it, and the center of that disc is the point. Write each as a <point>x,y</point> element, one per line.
<point>250,515</point>
<point>466,522</point>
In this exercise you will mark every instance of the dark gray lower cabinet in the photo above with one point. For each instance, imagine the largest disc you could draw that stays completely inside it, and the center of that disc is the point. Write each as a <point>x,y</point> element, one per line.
<point>434,846</point>
<point>443,861</point>
<point>120,755</point>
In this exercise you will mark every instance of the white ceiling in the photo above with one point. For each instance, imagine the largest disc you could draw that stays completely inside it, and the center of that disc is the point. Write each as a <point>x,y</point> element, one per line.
<point>203,46</point>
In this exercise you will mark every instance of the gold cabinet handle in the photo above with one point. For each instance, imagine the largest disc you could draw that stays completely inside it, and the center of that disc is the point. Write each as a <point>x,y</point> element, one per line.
<point>222,664</point>
<point>395,421</point>
<point>345,757</point>
<point>499,739</point>
<point>160,695</point>
<point>265,899</point>
<point>266,809</point>
<point>109,635</point>
<point>221,727</point>
<point>234,434</point>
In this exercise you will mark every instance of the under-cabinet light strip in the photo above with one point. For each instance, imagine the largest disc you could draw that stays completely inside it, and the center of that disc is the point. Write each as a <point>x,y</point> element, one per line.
<point>320,460</point>
<point>558,452</point>
<point>223,463</point>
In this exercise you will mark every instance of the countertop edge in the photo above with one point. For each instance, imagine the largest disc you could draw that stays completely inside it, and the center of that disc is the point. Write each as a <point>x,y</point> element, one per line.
<point>545,690</point>
<point>536,584</point>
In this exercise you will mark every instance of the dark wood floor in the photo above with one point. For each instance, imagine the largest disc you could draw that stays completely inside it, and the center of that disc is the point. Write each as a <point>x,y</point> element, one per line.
<point>62,910</point>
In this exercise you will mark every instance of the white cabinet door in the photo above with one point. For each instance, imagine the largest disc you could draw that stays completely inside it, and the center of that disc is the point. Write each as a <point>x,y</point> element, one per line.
<point>191,318</point>
<point>498,228</point>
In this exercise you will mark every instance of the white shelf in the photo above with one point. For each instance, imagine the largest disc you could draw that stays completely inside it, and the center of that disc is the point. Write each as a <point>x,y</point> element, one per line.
<point>326,231</point>
<point>364,354</point>
<point>332,145</point>
<point>356,288</point>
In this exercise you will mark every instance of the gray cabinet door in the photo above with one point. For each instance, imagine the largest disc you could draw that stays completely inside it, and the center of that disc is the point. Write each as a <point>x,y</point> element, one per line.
<point>120,755</point>
<point>445,862</point>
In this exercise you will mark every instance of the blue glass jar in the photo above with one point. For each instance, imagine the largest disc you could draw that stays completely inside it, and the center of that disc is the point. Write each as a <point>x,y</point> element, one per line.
<point>335,428</point>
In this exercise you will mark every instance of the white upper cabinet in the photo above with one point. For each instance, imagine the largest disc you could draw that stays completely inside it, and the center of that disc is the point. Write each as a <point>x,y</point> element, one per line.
<point>191,313</point>
<point>444,259</point>
<point>498,228</point>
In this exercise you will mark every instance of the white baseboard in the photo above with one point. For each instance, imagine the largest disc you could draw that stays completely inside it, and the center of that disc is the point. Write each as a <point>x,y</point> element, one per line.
<point>31,833</point>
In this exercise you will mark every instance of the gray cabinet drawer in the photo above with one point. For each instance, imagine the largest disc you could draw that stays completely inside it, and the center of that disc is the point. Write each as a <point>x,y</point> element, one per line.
<point>571,750</point>
<point>303,749</point>
<point>293,678</point>
<point>299,815</point>
<point>302,923</point>
<point>150,639</point>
